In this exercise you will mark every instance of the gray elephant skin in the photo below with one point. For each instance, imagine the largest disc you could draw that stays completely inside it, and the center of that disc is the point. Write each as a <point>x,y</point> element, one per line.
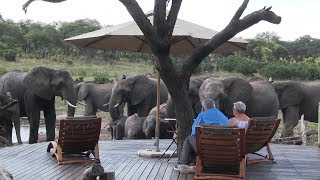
<point>9,116</point>
<point>139,92</point>
<point>118,133</point>
<point>297,98</point>
<point>194,86</point>
<point>133,127</point>
<point>259,95</point>
<point>149,125</point>
<point>95,96</point>
<point>36,91</point>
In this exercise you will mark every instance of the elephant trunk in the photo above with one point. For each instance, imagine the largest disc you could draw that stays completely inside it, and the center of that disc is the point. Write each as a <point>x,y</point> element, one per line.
<point>114,109</point>
<point>71,99</point>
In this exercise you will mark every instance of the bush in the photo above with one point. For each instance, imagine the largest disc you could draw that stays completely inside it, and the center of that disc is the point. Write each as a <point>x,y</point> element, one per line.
<point>100,78</point>
<point>301,70</point>
<point>10,55</point>
<point>79,80</point>
<point>3,71</point>
<point>247,67</point>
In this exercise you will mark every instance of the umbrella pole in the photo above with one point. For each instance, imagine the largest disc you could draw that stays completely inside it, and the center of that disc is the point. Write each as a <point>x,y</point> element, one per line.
<point>157,130</point>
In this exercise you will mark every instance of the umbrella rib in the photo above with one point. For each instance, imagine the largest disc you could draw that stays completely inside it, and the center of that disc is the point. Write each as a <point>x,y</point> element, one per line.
<point>103,37</point>
<point>175,40</point>
<point>143,41</point>
<point>236,45</point>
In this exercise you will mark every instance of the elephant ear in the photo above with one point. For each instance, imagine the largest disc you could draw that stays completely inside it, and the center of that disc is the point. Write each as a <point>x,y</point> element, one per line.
<point>142,88</point>
<point>38,81</point>
<point>237,89</point>
<point>82,91</point>
<point>290,94</point>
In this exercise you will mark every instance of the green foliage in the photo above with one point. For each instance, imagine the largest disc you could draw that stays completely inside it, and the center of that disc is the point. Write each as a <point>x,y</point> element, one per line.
<point>101,78</point>
<point>285,70</point>
<point>247,67</point>
<point>3,70</point>
<point>79,80</point>
<point>10,55</point>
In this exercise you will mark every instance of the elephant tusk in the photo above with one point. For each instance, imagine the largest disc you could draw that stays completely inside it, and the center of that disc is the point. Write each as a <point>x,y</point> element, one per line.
<point>106,104</point>
<point>116,105</point>
<point>70,104</point>
<point>84,104</point>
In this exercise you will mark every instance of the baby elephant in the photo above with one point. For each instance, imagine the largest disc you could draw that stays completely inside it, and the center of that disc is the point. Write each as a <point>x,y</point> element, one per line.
<point>149,125</point>
<point>133,127</point>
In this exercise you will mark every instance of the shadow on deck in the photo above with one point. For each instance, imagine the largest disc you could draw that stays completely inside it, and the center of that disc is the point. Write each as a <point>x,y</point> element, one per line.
<point>31,161</point>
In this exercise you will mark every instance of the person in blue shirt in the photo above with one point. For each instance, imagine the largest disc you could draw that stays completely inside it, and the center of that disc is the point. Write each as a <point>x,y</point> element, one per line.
<point>211,115</point>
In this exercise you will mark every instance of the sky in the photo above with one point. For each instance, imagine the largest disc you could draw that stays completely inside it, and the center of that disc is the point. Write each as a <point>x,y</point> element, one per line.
<point>299,17</point>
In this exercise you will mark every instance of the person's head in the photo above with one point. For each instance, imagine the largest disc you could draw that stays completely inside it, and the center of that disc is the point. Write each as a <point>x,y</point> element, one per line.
<point>208,103</point>
<point>239,107</point>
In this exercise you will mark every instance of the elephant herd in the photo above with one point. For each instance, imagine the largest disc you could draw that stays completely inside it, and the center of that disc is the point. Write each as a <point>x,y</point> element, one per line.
<point>28,93</point>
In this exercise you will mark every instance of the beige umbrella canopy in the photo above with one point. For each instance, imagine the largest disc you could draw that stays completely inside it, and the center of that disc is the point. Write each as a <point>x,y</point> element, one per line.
<point>128,37</point>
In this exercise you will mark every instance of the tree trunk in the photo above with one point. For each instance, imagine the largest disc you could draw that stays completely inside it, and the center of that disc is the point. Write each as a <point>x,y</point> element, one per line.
<point>178,88</point>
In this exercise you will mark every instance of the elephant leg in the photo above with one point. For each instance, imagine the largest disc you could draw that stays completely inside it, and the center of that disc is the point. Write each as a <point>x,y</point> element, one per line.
<point>89,109</point>
<point>16,120</point>
<point>290,120</point>
<point>50,120</point>
<point>34,119</point>
<point>8,129</point>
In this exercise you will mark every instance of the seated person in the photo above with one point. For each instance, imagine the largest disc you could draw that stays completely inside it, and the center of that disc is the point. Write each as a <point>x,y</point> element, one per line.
<point>240,119</point>
<point>211,115</point>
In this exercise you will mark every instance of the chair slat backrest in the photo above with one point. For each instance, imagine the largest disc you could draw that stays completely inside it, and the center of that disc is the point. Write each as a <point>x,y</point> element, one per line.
<point>259,132</point>
<point>78,134</point>
<point>220,146</point>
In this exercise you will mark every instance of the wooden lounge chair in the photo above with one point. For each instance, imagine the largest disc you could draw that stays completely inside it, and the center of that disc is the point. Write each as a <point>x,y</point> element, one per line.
<point>220,153</point>
<point>77,141</point>
<point>258,135</point>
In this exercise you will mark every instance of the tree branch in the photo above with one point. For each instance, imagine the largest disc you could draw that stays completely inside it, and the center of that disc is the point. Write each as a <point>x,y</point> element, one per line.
<point>25,5</point>
<point>240,11</point>
<point>233,28</point>
<point>159,18</point>
<point>173,15</point>
<point>144,24</point>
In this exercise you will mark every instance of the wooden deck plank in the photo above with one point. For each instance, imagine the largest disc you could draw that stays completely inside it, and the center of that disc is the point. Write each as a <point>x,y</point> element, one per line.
<point>147,170</point>
<point>31,161</point>
<point>154,170</point>
<point>161,171</point>
<point>168,172</point>
<point>131,172</point>
<point>122,173</point>
<point>140,170</point>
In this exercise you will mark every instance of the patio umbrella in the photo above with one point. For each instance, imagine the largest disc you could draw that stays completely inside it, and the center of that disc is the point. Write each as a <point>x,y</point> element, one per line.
<point>128,37</point>
<point>186,37</point>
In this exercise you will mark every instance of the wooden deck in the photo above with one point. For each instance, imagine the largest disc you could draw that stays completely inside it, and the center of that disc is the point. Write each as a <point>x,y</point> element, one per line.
<point>31,161</point>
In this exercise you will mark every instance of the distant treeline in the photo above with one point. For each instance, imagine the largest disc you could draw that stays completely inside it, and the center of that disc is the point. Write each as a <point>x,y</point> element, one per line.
<point>38,40</point>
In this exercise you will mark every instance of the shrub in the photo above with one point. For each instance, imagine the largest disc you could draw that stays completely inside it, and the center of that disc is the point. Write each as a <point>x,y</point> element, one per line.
<point>10,55</point>
<point>247,67</point>
<point>100,78</point>
<point>3,70</point>
<point>79,80</point>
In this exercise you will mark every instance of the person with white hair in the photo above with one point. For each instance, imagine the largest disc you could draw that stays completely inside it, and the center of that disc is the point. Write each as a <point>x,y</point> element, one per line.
<point>240,119</point>
<point>210,115</point>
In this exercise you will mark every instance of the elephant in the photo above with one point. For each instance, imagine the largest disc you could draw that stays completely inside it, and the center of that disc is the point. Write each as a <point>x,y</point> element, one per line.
<point>118,132</point>
<point>96,96</point>
<point>35,91</point>
<point>296,99</point>
<point>149,124</point>
<point>258,95</point>
<point>194,86</point>
<point>133,127</point>
<point>139,92</point>
<point>9,114</point>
